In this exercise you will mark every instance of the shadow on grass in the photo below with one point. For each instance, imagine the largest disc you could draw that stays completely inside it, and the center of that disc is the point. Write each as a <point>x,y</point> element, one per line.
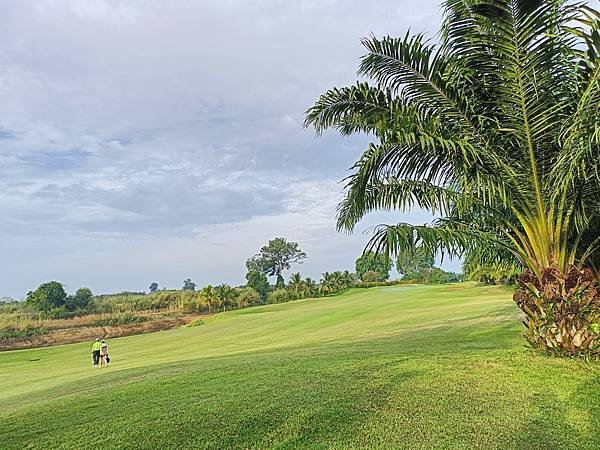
<point>563,422</point>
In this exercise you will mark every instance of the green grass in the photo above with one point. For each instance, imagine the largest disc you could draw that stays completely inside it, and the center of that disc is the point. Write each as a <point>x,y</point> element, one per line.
<point>394,367</point>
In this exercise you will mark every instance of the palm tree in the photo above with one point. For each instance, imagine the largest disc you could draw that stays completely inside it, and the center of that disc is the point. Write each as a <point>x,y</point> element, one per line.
<point>225,296</point>
<point>209,295</point>
<point>295,285</point>
<point>310,287</point>
<point>328,283</point>
<point>496,131</point>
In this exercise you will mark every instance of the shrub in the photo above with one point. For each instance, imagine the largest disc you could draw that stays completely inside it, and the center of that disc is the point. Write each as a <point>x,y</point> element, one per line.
<point>247,297</point>
<point>371,276</point>
<point>122,319</point>
<point>278,296</point>
<point>61,313</point>
<point>24,333</point>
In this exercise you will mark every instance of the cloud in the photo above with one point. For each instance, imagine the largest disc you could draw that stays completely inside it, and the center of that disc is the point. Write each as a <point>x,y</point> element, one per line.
<point>165,139</point>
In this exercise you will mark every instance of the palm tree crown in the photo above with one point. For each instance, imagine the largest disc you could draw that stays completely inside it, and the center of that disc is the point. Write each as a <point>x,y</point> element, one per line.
<point>495,130</point>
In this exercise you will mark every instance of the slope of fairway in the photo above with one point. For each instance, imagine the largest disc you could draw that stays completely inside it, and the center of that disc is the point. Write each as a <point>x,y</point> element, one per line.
<point>409,366</point>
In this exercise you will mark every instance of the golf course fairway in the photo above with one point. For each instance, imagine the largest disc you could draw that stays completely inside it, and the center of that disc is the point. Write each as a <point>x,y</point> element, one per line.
<point>390,367</point>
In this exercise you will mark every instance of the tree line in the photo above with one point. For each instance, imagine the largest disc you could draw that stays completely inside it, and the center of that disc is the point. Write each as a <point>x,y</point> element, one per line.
<point>277,256</point>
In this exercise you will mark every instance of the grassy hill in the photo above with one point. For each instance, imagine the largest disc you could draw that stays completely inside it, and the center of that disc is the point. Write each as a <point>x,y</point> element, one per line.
<point>407,366</point>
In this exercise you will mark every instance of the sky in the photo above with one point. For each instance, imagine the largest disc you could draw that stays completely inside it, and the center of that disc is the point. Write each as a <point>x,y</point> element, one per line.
<point>147,141</point>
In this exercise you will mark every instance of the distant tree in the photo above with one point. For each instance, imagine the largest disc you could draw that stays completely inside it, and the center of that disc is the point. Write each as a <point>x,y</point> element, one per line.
<point>310,288</point>
<point>225,295</point>
<point>80,300</point>
<point>47,296</point>
<point>295,283</point>
<point>328,283</point>
<point>209,296</point>
<point>415,261</point>
<point>373,262</point>
<point>154,287</point>
<point>188,285</point>
<point>275,257</point>
<point>258,281</point>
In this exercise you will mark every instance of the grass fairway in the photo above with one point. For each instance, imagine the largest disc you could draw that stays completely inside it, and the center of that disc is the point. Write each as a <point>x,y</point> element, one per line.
<point>395,367</point>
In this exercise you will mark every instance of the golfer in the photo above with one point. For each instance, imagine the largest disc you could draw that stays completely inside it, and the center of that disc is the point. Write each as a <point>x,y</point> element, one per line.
<point>96,351</point>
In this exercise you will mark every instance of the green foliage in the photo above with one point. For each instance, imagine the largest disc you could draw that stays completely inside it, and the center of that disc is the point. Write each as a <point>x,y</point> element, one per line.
<point>370,284</point>
<point>121,319</point>
<point>80,301</point>
<point>495,131</point>
<point>416,261</point>
<point>259,282</point>
<point>275,257</point>
<point>433,275</point>
<point>279,296</point>
<point>335,282</point>
<point>501,272</point>
<point>373,262</point>
<point>195,323</point>
<point>188,285</point>
<point>10,333</point>
<point>226,296</point>
<point>47,296</point>
<point>60,313</point>
<point>370,276</point>
<point>247,297</point>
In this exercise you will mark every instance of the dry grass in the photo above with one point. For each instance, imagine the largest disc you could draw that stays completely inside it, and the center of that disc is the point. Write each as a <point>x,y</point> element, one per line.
<point>83,331</point>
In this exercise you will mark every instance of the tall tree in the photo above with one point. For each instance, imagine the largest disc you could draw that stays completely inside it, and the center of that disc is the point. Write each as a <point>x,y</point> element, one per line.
<point>188,285</point>
<point>496,130</point>
<point>47,296</point>
<point>80,300</point>
<point>275,257</point>
<point>373,262</point>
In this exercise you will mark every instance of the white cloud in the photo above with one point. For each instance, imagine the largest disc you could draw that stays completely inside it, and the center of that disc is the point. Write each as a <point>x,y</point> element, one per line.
<point>157,140</point>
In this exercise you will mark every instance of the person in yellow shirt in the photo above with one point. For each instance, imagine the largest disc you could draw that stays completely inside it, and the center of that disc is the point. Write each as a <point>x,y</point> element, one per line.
<point>96,351</point>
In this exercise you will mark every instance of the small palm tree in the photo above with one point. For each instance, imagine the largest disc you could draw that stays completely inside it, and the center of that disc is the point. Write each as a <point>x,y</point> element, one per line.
<point>328,283</point>
<point>209,296</point>
<point>310,287</point>
<point>225,296</point>
<point>295,285</point>
<point>497,131</point>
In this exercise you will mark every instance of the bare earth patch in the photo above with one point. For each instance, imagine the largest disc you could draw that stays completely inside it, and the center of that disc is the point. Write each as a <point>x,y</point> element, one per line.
<point>83,334</point>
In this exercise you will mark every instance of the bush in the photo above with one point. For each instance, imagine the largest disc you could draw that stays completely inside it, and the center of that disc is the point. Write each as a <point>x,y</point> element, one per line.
<point>247,297</point>
<point>123,319</point>
<point>61,313</point>
<point>371,276</point>
<point>195,323</point>
<point>24,333</point>
<point>435,275</point>
<point>366,285</point>
<point>278,296</point>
